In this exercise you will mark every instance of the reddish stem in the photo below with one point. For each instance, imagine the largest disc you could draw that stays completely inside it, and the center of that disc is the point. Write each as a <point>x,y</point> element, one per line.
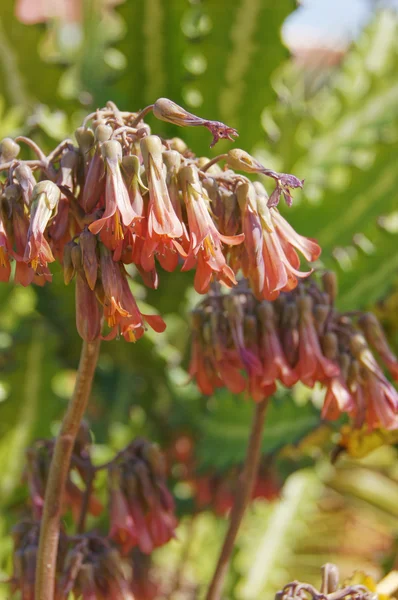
<point>243,495</point>
<point>59,469</point>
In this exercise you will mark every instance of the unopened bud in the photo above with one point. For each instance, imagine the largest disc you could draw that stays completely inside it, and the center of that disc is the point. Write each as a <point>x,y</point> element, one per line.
<point>77,257</point>
<point>85,139</point>
<point>88,245</point>
<point>167,110</point>
<point>13,192</point>
<point>131,164</point>
<point>178,144</point>
<point>321,313</point>
<point>8,150</point>
<point>23,174</point>
<point>330,345</point>
<point>172,160</point>
<point>329,280</point>
<point>112,151</point>
<point>103,132</point>
<point>151,146</point>
<point>69,269</point>
<point>242,161</point>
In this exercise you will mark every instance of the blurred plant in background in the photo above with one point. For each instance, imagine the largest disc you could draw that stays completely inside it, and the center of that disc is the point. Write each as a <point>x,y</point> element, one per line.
<point>337,128</point>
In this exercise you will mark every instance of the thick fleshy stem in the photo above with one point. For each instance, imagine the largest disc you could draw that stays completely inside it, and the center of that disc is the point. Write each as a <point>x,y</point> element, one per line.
<point>243,494</point>
<point>49,530</point>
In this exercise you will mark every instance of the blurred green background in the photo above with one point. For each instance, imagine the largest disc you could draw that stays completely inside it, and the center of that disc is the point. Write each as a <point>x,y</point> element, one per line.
<point>328,113</point>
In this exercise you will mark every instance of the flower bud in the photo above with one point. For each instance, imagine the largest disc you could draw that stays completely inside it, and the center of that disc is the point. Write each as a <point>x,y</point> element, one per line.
<point>112,151</point>
<point>13,193</point>
<point>8,150</point>
<point>69,269</point>
<point>242,161</point>
<point>329,280</point>
<point>178,144</point>
<point>23,174</point>
<point>172,160</point>
<point>103,132</point>
<point>330,345</point>
<point>88,245</point>
<point>85,139</point>
<point>77,258</point>
<point>88,320</point>
<point>167,110</point>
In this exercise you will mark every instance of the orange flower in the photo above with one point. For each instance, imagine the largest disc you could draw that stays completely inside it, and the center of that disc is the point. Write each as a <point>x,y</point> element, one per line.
<point>205,248</point>
<point>45,198</point>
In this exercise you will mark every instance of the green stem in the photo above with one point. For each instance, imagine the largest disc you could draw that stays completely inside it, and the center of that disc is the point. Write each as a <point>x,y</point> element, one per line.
<point>59,469</point>
<point>243,494</point>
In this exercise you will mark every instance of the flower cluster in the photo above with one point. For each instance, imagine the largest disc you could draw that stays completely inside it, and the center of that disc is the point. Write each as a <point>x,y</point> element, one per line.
<point>123,200</point>
<point>216,490</point>
<point>247,345</point>
<point>26,541</point>
<point>94,569</point>
<point>141,507</point>
<point>89,564</point>
<point>38,465</point>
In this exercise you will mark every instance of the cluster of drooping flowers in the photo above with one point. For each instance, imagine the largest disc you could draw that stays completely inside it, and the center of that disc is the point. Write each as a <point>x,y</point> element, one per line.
<point>141,507</point>
<point>91,565</point>
<point>216,489</point>
<point>249,344</point>
<point>122,197</point>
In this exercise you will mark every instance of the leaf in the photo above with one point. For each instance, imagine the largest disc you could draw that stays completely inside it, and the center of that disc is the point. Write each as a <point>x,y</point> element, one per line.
<point>226,428</point>
<point>343,140</point>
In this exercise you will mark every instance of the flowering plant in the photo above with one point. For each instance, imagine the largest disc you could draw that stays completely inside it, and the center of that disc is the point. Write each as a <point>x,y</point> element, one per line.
<point>116,205</point>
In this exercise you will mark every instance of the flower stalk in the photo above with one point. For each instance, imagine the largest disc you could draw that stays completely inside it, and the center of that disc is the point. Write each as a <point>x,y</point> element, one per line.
<point>243,494</point>
<point>49,531</point>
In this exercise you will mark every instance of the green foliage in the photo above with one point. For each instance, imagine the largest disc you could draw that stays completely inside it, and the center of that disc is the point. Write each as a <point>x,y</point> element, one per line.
<point>226,428</point>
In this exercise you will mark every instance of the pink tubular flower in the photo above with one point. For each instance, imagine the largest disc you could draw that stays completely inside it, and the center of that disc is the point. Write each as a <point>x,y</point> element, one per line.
<point>338,399</point>
<point>120,308</point>
<point>312,365</point>
<point>118,208</point>
<point>45,200</point>
<point>205,240</point>
<point>142,509</point>
<point>380,397</point>
<point>88,320</point>
<point>201,365</point>
<point>123,530</point>
<point>275,365</point>
<point>164,228</point>
<point>270,259</point>
<point>166,110</point>
<point>375,336</point>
